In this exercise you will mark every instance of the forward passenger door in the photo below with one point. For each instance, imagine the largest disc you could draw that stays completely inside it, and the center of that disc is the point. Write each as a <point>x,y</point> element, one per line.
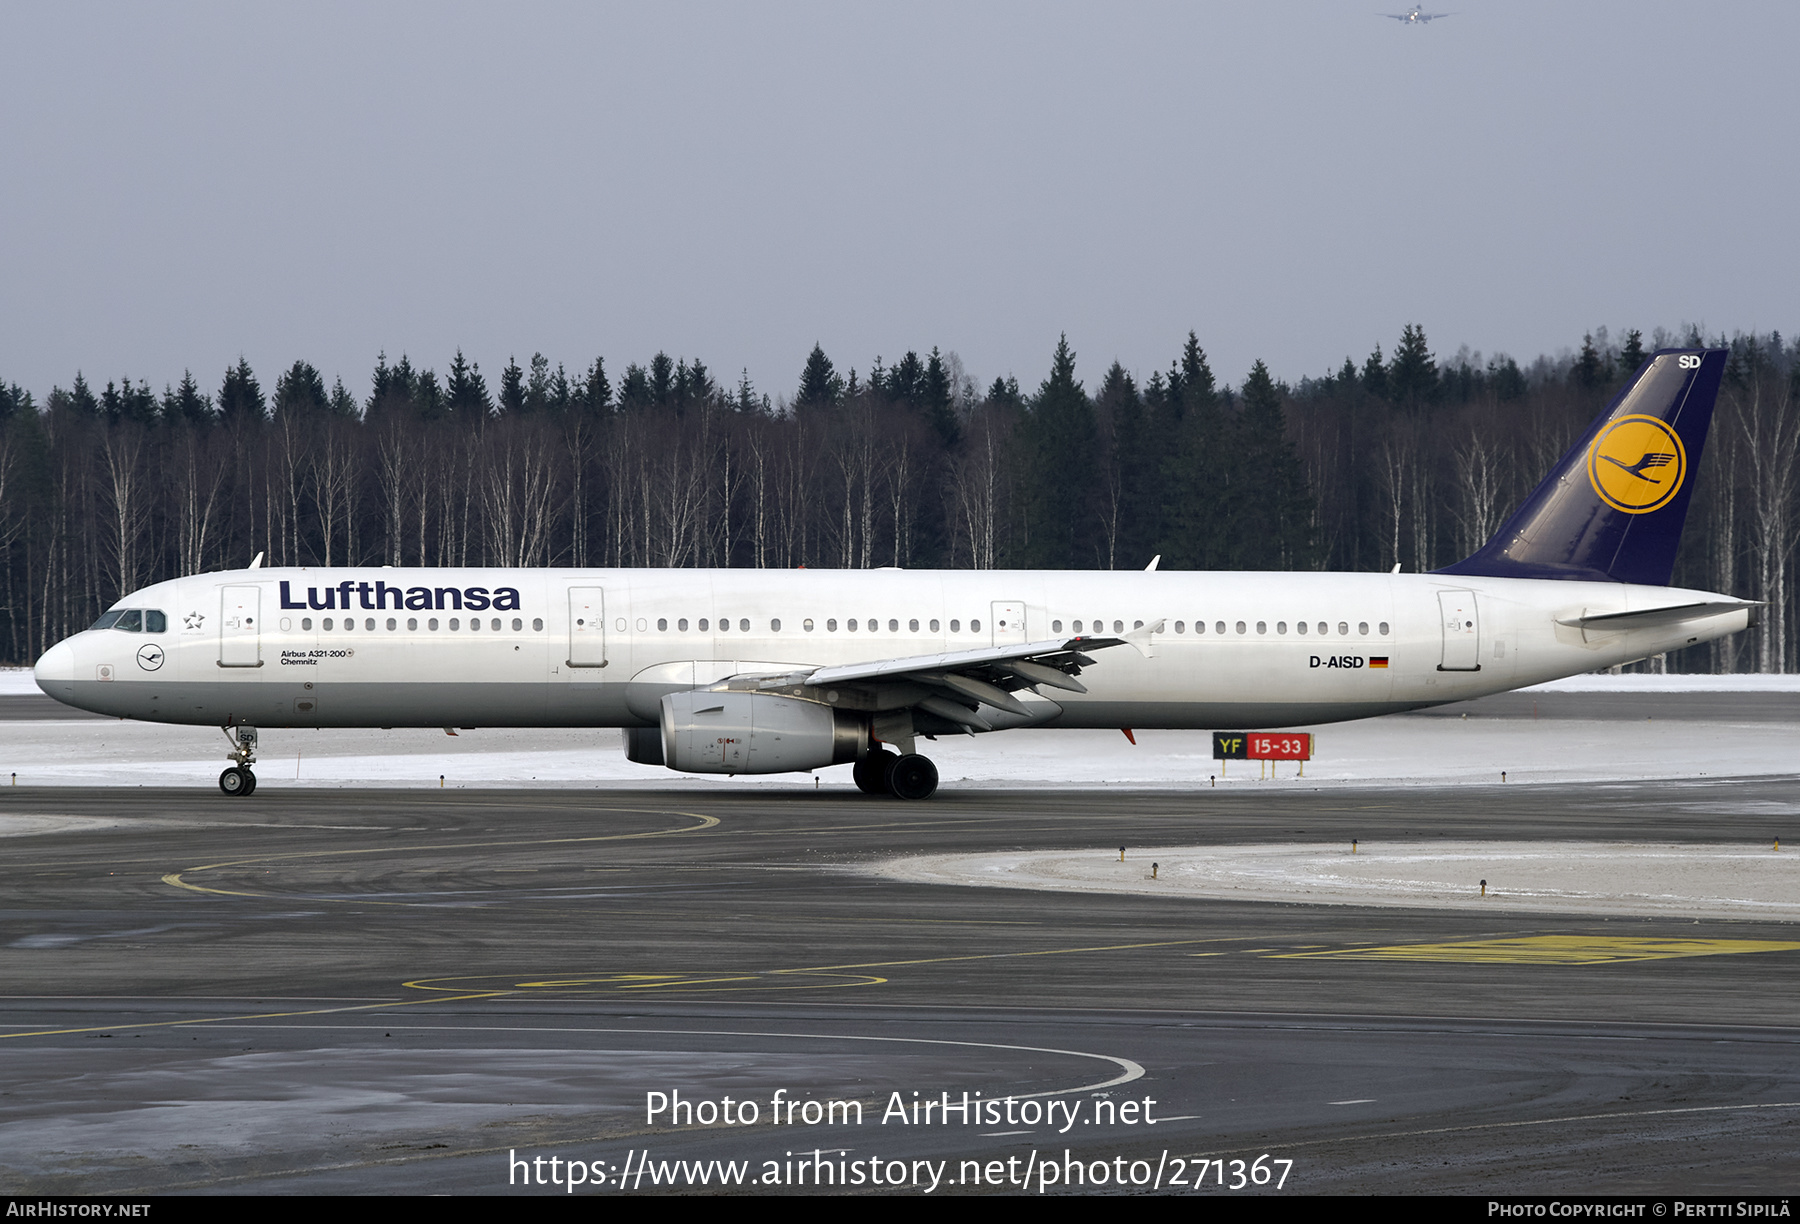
<point>587,627</point>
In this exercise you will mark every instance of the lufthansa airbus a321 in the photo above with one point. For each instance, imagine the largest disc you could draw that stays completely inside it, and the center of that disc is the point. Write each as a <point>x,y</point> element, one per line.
<point>765,671</point>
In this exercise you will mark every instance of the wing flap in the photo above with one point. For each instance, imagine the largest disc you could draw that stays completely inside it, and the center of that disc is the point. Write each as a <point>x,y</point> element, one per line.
<point>1047,653</point>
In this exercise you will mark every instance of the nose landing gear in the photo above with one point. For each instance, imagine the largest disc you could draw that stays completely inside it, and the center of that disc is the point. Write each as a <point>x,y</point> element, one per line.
<point>238,781</point>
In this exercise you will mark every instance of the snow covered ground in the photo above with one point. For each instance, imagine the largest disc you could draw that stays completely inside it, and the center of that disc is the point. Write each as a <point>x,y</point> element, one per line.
<point>1731,882</point>
<point>1735,882</point>
<point>1397,750</point>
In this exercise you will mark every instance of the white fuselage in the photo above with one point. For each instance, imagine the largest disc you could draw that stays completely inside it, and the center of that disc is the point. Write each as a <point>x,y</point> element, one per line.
<point>395,646</point>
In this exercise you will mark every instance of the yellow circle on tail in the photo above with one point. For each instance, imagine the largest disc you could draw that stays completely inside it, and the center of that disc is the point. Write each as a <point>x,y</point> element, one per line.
<point>1637,464</point>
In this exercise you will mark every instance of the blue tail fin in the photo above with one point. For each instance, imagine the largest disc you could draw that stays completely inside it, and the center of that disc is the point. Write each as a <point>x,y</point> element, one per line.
<point>1613,509</point>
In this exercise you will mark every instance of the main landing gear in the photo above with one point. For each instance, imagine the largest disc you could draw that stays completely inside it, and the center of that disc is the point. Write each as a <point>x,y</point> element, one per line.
<point>238,781</point>
<point>904,777</point>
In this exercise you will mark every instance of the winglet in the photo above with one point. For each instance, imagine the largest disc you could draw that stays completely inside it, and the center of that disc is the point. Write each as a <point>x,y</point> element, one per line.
<point>1154,562</point>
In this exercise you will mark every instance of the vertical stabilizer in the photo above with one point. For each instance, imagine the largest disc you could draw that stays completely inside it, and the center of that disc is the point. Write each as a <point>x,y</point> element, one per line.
<point>1614,507</point>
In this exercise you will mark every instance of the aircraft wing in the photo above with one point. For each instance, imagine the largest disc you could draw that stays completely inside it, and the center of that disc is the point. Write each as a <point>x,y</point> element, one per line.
<point>955,686</point>
<point>1053,654</point>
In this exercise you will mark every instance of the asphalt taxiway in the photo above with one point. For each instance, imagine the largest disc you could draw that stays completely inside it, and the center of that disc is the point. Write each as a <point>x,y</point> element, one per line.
<point>409,990</point>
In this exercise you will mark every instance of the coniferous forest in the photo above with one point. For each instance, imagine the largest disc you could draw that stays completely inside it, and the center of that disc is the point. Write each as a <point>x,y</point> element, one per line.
<point>1407,459</point>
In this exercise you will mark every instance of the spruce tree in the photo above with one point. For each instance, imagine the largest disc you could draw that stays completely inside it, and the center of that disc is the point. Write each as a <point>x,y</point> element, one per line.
<point>300,391</point>
<point>1588,371</point>
<point>1196,476</point>
<point>465,391</point>
<point>820,386</point>
<point>662,380</point>
<point>634,388</point>
<point>1137,453</point>
<point>187,403</point>
<point>1413,374</point>
<point>1632,356</point>
<point>1274,520</point>
<point>596,391</point>
<point>1374,375</point>
<point>537,385</point>
<point>935,397</point>
<point>512,389</point>
<point>240,397</point>
<point>1060,440</point>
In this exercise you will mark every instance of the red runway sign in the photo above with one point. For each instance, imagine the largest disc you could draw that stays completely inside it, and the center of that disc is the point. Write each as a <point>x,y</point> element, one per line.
<point>1262,746</point>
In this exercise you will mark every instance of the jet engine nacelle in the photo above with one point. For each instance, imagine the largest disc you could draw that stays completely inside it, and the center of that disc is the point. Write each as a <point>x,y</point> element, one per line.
<point>746,733</point>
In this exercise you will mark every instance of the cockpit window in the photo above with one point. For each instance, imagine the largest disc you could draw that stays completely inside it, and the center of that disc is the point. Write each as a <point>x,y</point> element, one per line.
<point>133,620</point>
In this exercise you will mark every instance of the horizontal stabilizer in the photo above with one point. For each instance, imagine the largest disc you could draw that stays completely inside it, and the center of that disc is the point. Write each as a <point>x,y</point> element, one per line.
<point>1646,618</point>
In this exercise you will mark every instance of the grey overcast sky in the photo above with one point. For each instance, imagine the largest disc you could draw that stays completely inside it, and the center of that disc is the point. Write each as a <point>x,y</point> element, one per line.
<point>185,183</point>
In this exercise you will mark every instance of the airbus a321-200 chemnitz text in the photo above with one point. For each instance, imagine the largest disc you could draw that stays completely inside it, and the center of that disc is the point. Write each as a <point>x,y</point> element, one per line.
<point>766,671</point>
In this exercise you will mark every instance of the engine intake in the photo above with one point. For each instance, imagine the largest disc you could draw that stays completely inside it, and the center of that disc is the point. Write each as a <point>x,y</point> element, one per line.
<point>750,733</point>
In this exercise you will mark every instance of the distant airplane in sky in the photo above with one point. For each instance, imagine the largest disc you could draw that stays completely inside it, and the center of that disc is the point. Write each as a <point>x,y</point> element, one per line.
<point>1415,17</point>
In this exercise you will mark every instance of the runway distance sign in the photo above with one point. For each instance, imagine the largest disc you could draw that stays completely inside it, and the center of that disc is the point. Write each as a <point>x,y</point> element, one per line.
<point>1262,746</point>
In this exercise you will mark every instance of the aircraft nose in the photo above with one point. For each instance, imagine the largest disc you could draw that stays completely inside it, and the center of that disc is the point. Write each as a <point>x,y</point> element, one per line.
<point>55,672</point>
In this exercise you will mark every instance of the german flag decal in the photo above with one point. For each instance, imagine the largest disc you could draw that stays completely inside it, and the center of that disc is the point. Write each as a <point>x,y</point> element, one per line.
<point>1378,661</point>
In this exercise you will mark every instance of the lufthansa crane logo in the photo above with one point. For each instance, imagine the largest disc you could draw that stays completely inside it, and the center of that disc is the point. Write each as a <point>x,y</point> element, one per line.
<point>1637,464</point>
